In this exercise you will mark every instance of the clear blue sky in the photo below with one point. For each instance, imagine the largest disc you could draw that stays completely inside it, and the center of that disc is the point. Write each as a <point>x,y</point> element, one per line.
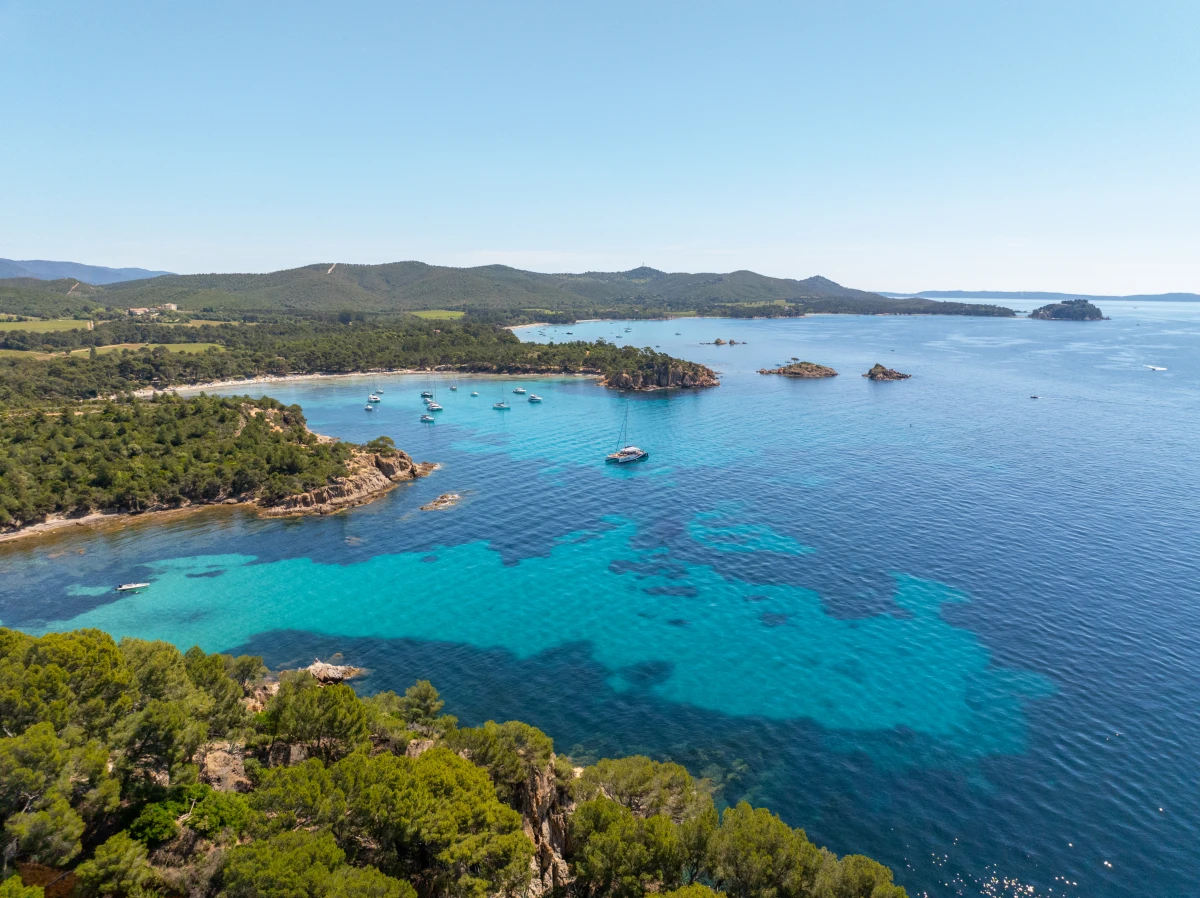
<point>887,145</point>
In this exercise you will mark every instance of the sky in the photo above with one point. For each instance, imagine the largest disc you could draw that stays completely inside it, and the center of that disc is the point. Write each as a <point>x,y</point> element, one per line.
<point>963,144</point>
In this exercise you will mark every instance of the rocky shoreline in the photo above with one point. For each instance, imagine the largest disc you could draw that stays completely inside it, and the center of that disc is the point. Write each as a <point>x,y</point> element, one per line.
<point>369,476</point>
<point>668,377</point>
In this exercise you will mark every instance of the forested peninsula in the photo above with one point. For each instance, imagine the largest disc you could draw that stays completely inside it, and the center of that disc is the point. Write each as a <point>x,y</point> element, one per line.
<point>131,770</point>
<point>135,456</point>
<point>130,354</point>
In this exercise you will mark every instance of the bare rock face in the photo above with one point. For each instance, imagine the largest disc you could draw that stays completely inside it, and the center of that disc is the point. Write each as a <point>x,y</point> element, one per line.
<point>545,815</point>
<point>878,372</point>
<point>370,475</point>
<point>418,747</point>
<point>283,755</point>
<point>664,377</point>
<point>262,694</point>
<point>222,766</point>
<point>801,369</point>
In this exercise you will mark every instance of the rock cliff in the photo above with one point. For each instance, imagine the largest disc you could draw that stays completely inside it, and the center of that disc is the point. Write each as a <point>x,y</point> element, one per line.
<point>663,377</point>
<point>370,475</point>
<point>801,369</point>
<point>222,766</point>
<point>545,813</point>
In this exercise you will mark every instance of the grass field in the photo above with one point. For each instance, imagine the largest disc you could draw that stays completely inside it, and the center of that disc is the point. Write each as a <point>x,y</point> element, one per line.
<point>171,347</point>
<point>439,314</point>
<point>43,327</point>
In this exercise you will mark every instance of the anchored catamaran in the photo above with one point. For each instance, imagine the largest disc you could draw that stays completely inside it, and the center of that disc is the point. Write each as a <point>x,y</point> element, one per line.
<point>626,452</point>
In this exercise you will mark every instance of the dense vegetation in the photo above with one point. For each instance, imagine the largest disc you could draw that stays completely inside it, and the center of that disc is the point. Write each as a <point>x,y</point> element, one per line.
<point>50,299</point>
<point>136,455</point>
<point>1068,310</point>
<point>294,346</point>
<point>107,747</point>
<point>492,293</point>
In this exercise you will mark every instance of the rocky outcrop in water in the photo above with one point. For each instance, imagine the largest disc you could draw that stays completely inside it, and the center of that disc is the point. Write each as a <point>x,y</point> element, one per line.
<point>445,500</point>
<point>1068,310</point>
<point>878,372</point>
<point>801,369</point>
<point>326,674</point>
<point>370,475</point>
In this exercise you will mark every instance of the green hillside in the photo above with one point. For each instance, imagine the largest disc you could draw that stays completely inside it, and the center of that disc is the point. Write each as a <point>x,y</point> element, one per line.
<point>495,292</point>
<point>65,298</point>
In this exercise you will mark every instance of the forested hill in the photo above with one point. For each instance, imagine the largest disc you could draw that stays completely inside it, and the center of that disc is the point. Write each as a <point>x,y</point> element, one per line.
<point>130,770</point>
<point>503,293</point>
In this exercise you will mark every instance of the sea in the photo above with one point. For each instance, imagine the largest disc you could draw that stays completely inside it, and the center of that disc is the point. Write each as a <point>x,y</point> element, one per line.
<point>950,622</point>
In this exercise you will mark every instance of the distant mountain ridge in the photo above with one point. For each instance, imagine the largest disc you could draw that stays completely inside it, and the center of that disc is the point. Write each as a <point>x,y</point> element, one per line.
<point>496,289</point>
<point>1040,294</point>
<point>97,275</point>
<point>495,293</point>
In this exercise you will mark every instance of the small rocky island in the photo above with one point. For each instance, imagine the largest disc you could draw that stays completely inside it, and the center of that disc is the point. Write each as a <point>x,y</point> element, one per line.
<point>878,372</point>
<point>1069,310</point>
<point>445,500</point>
<point>801,369</point>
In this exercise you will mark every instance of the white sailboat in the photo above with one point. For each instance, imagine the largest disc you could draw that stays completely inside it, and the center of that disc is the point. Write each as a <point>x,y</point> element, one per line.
<point>626,451</point>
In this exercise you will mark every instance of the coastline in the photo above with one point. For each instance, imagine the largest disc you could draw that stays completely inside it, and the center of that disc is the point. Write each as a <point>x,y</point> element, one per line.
<point>368,477</point>
<point>288,378</point>
<point>56,525</point>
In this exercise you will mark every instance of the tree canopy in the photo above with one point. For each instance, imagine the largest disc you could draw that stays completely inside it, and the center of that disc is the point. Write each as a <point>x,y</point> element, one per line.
<point>101,776</point>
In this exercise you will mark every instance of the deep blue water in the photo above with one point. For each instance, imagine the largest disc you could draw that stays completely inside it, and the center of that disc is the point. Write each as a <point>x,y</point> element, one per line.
<point>935,621</point>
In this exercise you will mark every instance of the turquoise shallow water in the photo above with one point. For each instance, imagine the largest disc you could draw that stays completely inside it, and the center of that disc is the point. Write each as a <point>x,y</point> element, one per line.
<point>912,617</point>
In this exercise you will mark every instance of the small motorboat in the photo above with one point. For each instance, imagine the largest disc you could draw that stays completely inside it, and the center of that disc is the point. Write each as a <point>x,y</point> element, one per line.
<point>534,397</point>
<point>474,392</point>
<point>1033,397</point>
<point>520,391</point>
<point>453,388</point>
<point>1155,368</point>
<point>500,406</point>
<point>373,398</point>
<point>570,332</point>
<point>368,407</point>
<point>428,419</point>
<point>434,407</point>
<point>132,587</point>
